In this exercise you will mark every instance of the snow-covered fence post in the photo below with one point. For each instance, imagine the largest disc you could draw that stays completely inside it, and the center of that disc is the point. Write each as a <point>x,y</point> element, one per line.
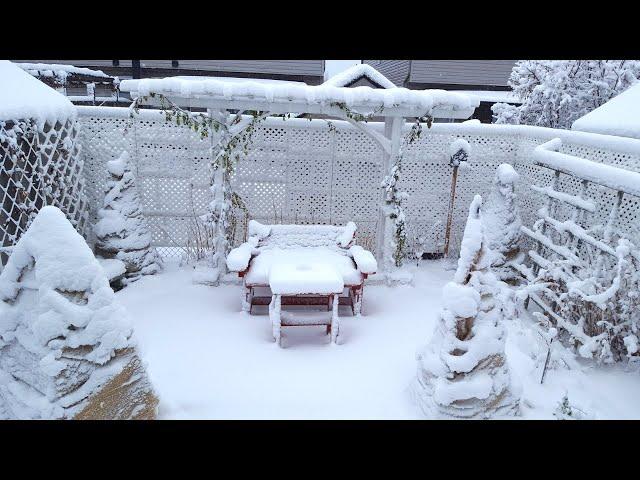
<point>459,151</point>
<point>462,371</point>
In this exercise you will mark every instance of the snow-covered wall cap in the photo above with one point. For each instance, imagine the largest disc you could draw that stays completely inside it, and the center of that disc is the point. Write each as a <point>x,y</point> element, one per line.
<point>23,97</point>
<point>59,70</point>
<point>277,97</point>
<point>352,74</point>
<point>615,178</point>
<point>619,116</point>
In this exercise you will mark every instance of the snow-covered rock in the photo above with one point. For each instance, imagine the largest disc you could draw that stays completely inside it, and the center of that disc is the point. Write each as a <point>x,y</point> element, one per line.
<point>66,347</point>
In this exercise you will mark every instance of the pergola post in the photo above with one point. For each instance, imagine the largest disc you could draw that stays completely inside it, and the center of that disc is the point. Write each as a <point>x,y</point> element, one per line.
<point>393,132</point>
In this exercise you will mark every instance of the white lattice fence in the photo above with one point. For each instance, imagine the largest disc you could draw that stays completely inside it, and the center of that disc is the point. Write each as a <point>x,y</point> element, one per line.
<point>40,165</point>
<point>302,171</point>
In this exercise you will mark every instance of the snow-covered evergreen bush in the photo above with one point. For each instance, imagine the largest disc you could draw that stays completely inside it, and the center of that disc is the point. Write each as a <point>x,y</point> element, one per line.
<point>554,93</point>
<point>66,348</point>
<point>462,371</point>
<point>121,230</point>
<point>501,219</point>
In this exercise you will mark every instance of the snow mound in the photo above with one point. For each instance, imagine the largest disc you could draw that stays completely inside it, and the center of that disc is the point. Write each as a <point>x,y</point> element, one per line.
<point>23,97</point>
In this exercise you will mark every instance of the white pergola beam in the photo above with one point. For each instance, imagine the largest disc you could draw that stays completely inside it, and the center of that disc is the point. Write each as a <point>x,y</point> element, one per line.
<point>283,106</point>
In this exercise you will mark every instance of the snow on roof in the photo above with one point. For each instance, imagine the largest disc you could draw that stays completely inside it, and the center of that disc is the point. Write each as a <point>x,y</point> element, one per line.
<point>619,116</point>
<point>352,74</point>
<point>289,94</point>
<point>493,95</point>
<point>59,70</point>
<point>23,96</point>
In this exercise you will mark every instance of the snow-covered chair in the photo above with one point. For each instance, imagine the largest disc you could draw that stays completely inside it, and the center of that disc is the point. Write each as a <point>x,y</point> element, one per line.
<point>302,265</point>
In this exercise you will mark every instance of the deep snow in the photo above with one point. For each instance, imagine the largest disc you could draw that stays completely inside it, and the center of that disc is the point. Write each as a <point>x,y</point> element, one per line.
<point>207,359</point>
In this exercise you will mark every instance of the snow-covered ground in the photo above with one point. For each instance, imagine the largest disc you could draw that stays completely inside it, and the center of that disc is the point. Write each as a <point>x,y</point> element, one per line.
<point>209,360</point>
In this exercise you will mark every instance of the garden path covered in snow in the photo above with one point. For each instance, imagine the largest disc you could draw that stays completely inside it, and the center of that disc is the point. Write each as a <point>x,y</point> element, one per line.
<point>209,360</point>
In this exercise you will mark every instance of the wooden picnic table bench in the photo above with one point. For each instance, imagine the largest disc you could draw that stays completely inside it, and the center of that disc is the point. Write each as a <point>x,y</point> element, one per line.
<point>302,265</point>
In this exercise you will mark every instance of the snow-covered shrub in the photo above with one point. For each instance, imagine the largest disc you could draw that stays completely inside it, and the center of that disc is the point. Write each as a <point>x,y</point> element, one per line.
<point>501,219</point>
<point>66,348</point>
<point>462,371</point>
<point>121,230</point>
<point>598,304</point>
<point>554,93</point>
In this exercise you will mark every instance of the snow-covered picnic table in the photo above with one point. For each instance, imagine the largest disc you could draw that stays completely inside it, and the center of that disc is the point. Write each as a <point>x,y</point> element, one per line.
<point>302,265</point>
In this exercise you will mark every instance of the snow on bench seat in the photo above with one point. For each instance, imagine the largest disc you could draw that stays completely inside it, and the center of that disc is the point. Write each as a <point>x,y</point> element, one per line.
<point>305,278</point>
<point>339,262</point>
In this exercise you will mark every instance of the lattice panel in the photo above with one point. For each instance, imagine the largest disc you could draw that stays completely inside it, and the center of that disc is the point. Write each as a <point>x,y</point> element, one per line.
<point>39,166</point>
<point>314,174</point>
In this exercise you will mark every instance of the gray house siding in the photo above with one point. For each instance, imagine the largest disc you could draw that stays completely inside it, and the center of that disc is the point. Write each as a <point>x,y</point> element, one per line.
<point>395,70</point>
<point>467,73</point>
<point>311,71</point>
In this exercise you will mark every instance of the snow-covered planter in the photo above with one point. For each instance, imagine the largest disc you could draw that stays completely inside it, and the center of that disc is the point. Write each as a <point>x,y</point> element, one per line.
<point>66,347</point>
<point>121,231</point>
<point>40,160</point>
<point>462,371</point>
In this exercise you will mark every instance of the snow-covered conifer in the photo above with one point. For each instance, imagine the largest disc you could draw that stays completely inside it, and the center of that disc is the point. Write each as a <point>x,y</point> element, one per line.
<point>462,371</point>
<point>66,348</point>
<point>554,93</point>
<point>121,230</point>
<point>501,220</point>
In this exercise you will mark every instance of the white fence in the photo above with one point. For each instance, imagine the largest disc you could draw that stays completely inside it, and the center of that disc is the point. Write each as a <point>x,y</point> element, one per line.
<point>301,171</point>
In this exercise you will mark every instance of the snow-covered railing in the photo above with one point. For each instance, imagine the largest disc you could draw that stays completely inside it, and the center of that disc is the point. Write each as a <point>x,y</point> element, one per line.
<point>302,171</point>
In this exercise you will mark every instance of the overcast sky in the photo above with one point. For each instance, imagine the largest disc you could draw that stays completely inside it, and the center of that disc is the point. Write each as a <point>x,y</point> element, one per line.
<point>331,67</point>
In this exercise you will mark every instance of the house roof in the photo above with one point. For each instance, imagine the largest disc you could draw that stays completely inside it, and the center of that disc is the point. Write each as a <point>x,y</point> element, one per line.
<point>23,96</point>
<point>352,74</point>
<point>619,116</point>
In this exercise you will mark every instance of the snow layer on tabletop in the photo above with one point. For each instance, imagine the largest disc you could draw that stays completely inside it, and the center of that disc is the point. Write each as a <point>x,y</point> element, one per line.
<point>318,94</point>
<point>301,278</point>
<point>59,319</point>
<point>23,96</point>
<point>364,259</point>
<point>619,116</point>
<point>607,175</point>
<point>340,262</point>
<point>355,72</point>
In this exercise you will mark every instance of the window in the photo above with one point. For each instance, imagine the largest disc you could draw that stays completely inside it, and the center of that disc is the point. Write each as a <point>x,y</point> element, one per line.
<point>116,63</point>
<point>174,63</point>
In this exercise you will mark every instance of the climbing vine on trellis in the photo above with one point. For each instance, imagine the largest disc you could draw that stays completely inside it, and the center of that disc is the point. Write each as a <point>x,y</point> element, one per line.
<point>394,197</point>
<point>231,137</point>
